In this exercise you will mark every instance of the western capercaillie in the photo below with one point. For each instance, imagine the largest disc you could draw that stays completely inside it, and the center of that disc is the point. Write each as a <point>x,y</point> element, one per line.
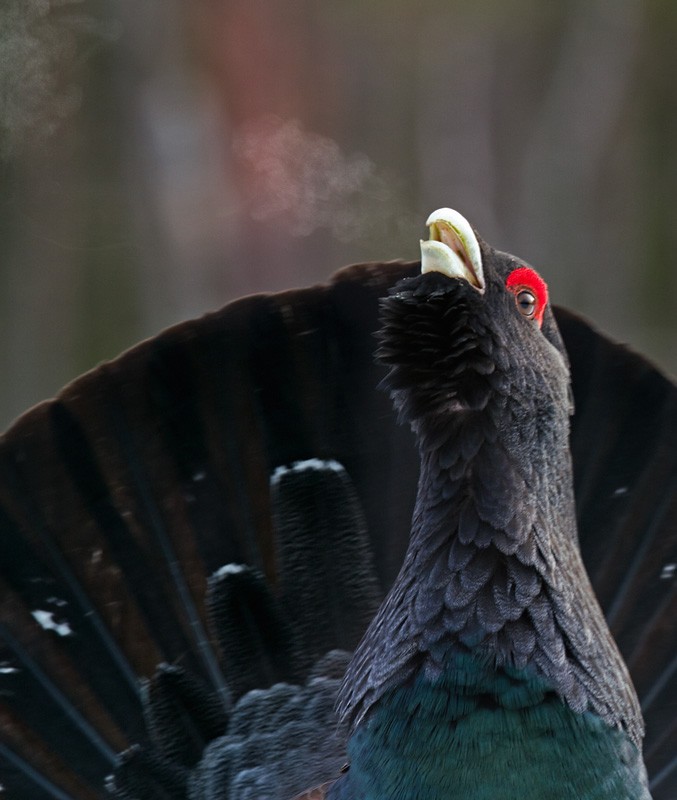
<point>489,669</point>
<point>195,536</point>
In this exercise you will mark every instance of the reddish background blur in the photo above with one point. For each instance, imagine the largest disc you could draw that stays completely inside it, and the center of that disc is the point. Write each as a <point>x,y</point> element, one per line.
<point>161,158</point>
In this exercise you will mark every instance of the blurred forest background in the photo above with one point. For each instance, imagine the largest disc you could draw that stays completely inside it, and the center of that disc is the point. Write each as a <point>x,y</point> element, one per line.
<point>160,158</point>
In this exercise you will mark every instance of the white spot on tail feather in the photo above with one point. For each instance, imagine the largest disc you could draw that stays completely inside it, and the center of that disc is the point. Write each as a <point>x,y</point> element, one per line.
<point>320,465</point>
<point>230,569</point>
<point>46,620</point>
<point>57,601</point>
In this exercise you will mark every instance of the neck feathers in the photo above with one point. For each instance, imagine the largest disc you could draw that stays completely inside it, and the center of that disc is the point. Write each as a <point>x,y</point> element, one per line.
<point>493,569</point>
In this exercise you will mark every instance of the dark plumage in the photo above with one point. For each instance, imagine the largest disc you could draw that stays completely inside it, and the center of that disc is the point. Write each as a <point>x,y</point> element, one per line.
<point>493,588</point>
<point>150,577</point>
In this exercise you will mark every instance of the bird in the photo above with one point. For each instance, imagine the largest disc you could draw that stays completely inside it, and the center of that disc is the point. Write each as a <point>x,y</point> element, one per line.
<point>332,542</point>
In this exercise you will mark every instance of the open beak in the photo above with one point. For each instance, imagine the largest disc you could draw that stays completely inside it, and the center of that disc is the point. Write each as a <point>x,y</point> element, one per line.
<point>453,248</point>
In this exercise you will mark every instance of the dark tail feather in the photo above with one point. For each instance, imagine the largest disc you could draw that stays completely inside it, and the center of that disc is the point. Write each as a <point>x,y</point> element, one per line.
<point>256,640</point>
<point>662,782</point>
<point>181,715</point>
<point>624,445</point>
<point>143,775</point>
<point>329,539</point>
<point>150,474</point>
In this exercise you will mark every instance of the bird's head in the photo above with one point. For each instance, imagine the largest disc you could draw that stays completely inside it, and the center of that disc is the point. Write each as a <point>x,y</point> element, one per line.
<point>476,324</point>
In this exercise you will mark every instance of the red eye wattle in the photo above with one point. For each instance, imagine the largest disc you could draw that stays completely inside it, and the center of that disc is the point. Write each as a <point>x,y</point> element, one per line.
<point>531,292</point>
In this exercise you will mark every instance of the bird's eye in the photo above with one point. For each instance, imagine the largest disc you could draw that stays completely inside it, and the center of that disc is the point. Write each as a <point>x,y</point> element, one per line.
<point>526,303</point>
<point>530,292</point>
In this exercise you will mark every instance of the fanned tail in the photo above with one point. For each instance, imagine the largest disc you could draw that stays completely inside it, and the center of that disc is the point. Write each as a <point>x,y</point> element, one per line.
<point>226,504</point>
